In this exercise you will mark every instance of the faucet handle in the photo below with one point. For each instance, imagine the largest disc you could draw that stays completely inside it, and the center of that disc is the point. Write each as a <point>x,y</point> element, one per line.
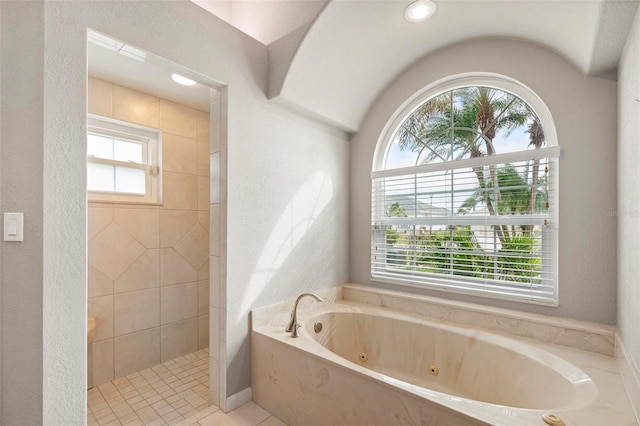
<point>289,328</point>
<point>295,330</point>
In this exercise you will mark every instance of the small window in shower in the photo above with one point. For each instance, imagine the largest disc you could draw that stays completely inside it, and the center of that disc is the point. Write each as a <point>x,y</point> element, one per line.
<point>123,162</point>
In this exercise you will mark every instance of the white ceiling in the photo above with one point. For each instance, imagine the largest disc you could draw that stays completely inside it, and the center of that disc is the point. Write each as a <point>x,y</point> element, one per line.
<point>152,76</point>
<point>354,49</point>
<point>265,20</point>
<point>343,53</point>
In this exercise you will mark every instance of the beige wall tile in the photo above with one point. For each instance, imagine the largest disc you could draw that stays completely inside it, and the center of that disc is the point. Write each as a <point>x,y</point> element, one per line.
<point>179,302</point>
<point>215,174</point>
<point>180,191</point>
<point>215,126</point>
<point>174,224</point>
<point>214,333</point>
<point>101,308</point>
<point>100,97</point>
<point>214,282</point>
<point>98,283</point>
<point>223,264</point>
<point>203,332</point>
<point>214,381</point>
<point>214,231</point>
<point>194,246</point>
<point>203,159</point>
<point>179,154</point>
<point>141,224</point>
<point>134,206</point>
<point>203,272</point>
<point>178,119</point>
<point>203,126</point>
<point>136,107</point>
<point>112,251</point>
<point>203,297</point>
<point>136,311</point>
<point>174,269</point>
<point>204,194</point>
<point>204,218</point>
<point>179,339</point>
<point>98,218</point>
<point>222,227</point>
<point>120,233</point>
<point>143,274</point>
<point>137,351</point>
<point>100,363</point>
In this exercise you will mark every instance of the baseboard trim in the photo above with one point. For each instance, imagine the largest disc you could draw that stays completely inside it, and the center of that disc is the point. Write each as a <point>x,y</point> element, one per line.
<point>630,375</point>
<point>238,399</point>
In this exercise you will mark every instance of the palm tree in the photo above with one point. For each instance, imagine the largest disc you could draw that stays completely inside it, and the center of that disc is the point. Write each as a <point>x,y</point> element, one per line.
<point>537,139</point>
<point>463,124</point>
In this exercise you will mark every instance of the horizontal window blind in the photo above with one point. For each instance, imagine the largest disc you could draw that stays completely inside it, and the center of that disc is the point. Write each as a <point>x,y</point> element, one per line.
<point>479,225</point>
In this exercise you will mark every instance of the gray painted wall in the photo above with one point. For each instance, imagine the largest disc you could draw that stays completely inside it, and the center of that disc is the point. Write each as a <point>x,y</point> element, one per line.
<point>628,199</point>
<point>584,110</point>
<point>285,173</point>
<point>21,114</point>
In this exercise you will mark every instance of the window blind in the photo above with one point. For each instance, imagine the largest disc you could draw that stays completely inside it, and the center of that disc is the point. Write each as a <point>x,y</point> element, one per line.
<point>484,225</point>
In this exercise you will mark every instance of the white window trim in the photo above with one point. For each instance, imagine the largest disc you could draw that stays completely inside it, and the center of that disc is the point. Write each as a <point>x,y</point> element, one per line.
<point>496,81</point>
<point>453,284</point>
<point>152,150</point>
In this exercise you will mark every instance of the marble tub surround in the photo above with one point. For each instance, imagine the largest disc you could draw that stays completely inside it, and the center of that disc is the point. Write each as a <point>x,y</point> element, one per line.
<point>303,382</point>
<point>459,361</point>
<point>302,390</point>
<point>148,265</point>
<point>587,336</point>
<point>630,374</point>
<point>265,315</point>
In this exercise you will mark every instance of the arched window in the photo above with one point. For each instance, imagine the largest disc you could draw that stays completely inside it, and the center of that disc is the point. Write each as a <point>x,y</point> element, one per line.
<point>464,193</point>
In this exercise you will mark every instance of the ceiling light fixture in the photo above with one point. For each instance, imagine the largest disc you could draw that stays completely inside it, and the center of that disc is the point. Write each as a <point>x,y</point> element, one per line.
<point>419,10</point>
<point>183,80</point>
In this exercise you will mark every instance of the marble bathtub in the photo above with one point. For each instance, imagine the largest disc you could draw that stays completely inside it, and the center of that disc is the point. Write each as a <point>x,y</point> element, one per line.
<point>374,366</point>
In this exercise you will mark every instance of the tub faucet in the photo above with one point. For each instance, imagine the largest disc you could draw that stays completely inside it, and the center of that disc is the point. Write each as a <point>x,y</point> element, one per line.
<point>293,325</point>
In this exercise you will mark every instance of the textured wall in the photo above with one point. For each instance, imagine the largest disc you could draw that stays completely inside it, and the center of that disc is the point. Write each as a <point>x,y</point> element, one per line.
<point>22,112</point>
<point>287,191</point>
<point>148,271</point>
<point>628,200</point>
<point>584,111</point>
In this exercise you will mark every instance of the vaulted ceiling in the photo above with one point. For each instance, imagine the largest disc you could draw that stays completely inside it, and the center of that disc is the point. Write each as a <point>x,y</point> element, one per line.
<point>332,59</point>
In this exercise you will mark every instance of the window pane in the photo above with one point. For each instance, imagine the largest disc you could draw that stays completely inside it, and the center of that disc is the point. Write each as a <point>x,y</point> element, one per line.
<point>130,180</point>
<point>465,220</point>
<point>465,123</point>
<point>127,151</point>
<point>100,177</point>
<point>100,146</point>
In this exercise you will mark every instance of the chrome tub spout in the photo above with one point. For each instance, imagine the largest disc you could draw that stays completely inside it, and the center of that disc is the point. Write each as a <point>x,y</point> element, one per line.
<point>293,325</point>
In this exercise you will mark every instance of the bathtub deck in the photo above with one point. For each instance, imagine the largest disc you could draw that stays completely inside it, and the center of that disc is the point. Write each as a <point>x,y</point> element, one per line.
<point>304,383</point>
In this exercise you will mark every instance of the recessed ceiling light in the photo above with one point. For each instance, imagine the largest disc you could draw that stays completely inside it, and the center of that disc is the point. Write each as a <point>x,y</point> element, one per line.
<point>419,10</point>
<point>183,80</point>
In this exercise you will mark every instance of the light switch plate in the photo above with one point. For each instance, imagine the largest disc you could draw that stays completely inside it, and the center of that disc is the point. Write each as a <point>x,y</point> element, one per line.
<point>13,226</point>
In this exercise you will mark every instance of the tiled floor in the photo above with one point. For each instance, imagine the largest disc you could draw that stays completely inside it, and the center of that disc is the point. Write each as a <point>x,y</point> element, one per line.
<point>173,393</point>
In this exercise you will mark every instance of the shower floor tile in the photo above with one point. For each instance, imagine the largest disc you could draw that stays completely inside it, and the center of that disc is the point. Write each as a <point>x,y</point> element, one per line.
<point>173,393</point>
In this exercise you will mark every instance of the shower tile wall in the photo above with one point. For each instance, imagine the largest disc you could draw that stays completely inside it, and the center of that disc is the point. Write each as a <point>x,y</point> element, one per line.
<point>149,265</point>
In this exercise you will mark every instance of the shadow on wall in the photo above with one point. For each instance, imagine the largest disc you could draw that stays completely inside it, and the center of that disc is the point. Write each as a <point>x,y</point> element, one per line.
<point>307,220</point>
<point>296,220</point>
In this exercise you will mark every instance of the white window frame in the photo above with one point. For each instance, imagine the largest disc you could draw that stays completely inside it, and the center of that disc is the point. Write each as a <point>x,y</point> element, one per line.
<point>151,141</point>
<point>460,284</point>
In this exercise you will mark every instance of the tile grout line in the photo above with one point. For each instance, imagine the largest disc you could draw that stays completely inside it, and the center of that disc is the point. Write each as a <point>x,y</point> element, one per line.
<point>183,395</point>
